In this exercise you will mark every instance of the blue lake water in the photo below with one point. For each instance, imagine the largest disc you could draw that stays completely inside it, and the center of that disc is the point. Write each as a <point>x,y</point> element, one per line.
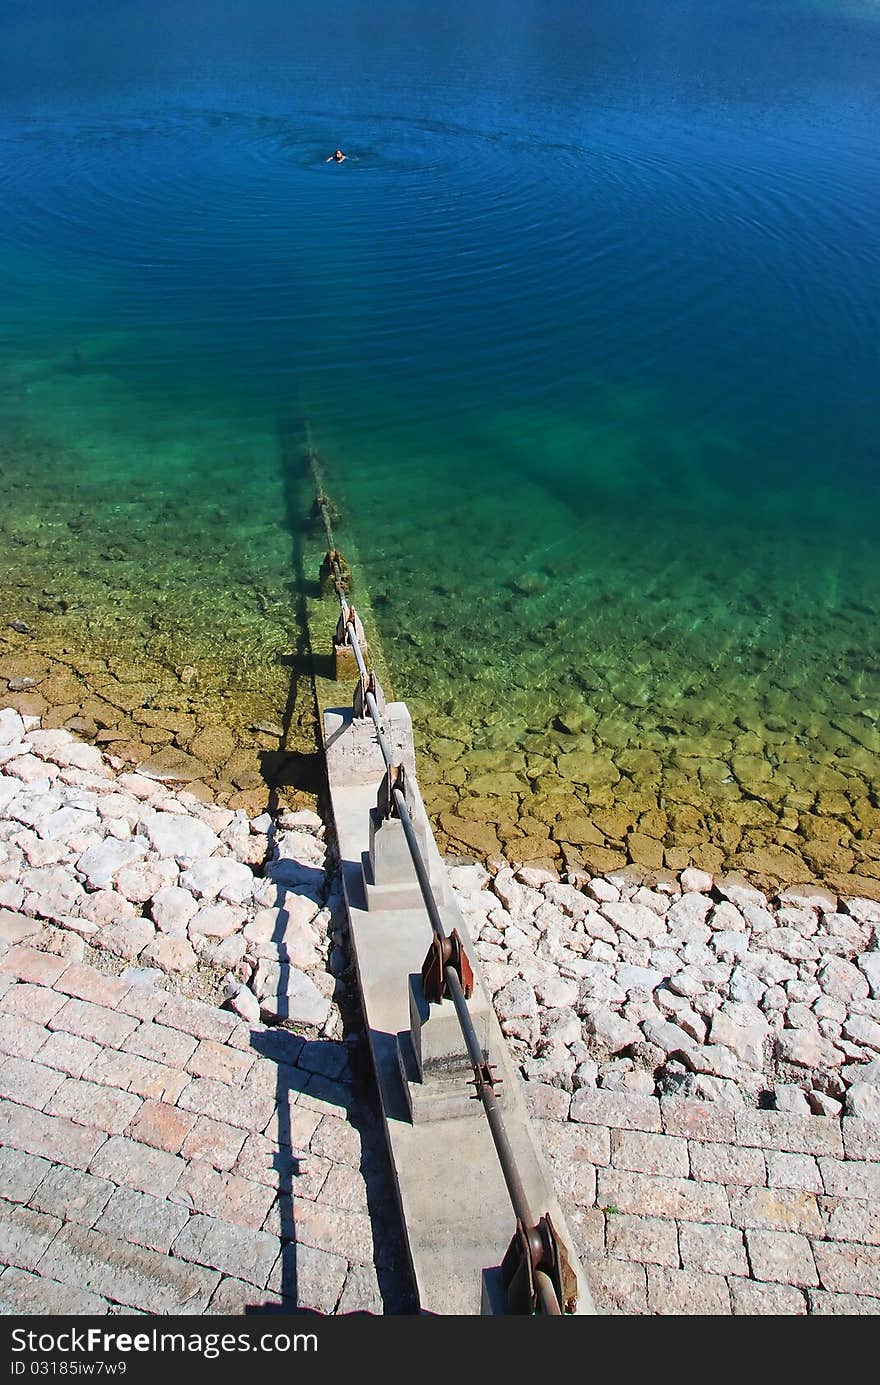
<point>585,329</point>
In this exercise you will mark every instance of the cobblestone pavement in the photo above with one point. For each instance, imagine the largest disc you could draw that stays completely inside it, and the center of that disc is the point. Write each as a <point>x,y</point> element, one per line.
<point>160,1155</point>
<point>683,1206</point>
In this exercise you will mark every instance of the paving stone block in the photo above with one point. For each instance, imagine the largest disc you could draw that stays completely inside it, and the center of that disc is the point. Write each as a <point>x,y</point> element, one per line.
<point>142,1219</point>
<point>128,1274</point>
<point>95,1022</point>
<point>849,1219</point>
<point>154,1081</point>
<point>780,1130</point>
<point>214,1141</point>
<point>619,1286</point>
<point>21,1038</point>
<point>851,1178</point>
<point>234,1298</point>
<point>768,1300</point>
<point>28,1083</point>
<point>29,964</point>
<point>686,1292</point>
<point>847,1268</point>
<point>775,1209</point>
<point>86,983</point>
<point>587,1226</point>
<point>315,1277</point>
<point>337,1140</point>
<point>162,1044</point>
<point>340,1186</point>
<point>20,1174</point>
<point>16,928</point>
<point>781,1257</point>
<point>35,1003</point>
<point>72,1195</point>
<point>227,1064</point>
<point>197,1019</point>
<point>227,1196</point>
<point>824,1304</point>
<point>235,1250</point>
<point>650,1240</point>
<point>321,1094</point>
<point>793,1171</point>
<point>25,1235</point>
<point>677,1198</point>
<point>362,1293</point>
<point>328,1228</point>
<point>246,1108</point>
<point>281,1168</point>
<point>31,1295</point>
<point>544,1102</point>
<point>163,1126</point>
<point>53,1137</point>
<point>137,1165</point>
<point>712,1249</point>
<point>718,1163</point>
<point>93,1103</point>
<point>656,1154</point>
<point>861,1138</point>
<point>697,1120</point>
<point>67,1052</point>
<point>620,1110</point>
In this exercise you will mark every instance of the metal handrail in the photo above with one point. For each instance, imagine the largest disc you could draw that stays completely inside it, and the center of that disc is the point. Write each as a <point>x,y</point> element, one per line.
<point>484,1081</point>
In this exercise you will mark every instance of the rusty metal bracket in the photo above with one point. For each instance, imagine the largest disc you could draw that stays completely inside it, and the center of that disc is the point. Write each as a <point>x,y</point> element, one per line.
<point>484,1076</point>
<point>370,684</point>
<point>395,778</point>
<point>348,617</point>
<point>334,569</point>
<point>444,953</point>
<point>531,1255</point>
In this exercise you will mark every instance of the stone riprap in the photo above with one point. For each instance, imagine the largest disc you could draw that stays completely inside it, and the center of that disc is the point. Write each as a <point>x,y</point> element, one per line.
<point>703,1063</point>
<point>183,1120</point>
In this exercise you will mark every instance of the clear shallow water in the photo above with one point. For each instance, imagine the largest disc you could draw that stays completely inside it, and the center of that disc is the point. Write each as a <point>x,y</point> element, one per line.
<point>586,329</point>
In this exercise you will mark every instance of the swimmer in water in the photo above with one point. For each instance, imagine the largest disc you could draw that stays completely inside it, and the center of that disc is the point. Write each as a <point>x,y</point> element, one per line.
<point>336,157</point>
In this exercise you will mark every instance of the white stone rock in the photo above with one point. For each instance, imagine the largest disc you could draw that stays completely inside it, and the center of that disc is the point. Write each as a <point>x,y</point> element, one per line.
<point>747,1042</point>
<point>864,910</point>
<point>287,993</point>
<point>740,893</point>
<point>101,864</point>
<point>172,908</point>
<point>216,921</point>
<point>667,1036</point>
<point>516,1000</point>
<point>106,907</point>
<point>609,1028</point>
<point>744,986</point>
<point>712,1059</point>
<point>172,954</point>
<point>556,991</point>
<point>800,1046</point>
<point>869,966</point>
<point>789,1097</point>
<point>861,1030</point>
<point>11,726</point>
<point>863,1101</point>
<point>687,917</point>
<point>695,881</point>
<point>868,1073</point>
<point>243,1001</point>
<point>638,978</point>
<point>126,939</point>
<point>603,891</point>
<point>139,882</point>
<point>757,918</point>
<point>842,980</point>
<point>219,876</point>
<point>730,945</point>
<point>634,919</point>
<point>183,838</point>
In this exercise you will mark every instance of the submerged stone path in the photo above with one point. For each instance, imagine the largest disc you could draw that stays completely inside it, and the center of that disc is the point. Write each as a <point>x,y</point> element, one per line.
<point>187,1120</point>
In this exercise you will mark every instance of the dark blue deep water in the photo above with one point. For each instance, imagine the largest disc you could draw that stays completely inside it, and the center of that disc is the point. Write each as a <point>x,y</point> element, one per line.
<point>585,328</point>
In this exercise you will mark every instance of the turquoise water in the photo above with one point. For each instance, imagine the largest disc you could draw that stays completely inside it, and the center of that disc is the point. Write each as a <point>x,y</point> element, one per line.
<point>585,328</point>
